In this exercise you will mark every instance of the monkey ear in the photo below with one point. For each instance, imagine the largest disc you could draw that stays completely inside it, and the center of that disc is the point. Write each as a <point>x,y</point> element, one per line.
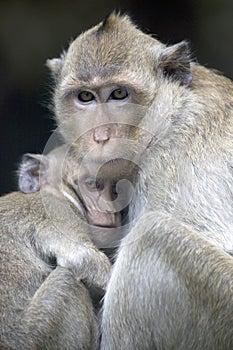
<point>31,172</point>
<point>175,62</point>
<point>55,66</point>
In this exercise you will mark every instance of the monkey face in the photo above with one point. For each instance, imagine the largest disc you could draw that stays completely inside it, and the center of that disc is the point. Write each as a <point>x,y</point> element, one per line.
<point>99,119</point>
<point>96,86</point>
<point>116,90</point>
<point>103,194</point>
<point>108,136</point>
<point>98,197</point>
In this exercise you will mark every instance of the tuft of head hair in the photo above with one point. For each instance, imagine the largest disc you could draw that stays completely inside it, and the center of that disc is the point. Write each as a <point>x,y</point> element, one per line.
<point>113,21</point>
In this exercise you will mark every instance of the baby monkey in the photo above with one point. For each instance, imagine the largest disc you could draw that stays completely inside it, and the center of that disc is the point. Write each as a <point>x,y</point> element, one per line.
<point>48,257</point>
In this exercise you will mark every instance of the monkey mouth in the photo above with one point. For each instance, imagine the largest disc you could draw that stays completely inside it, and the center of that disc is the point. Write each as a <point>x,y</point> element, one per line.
<point>94,220</point>
<point>104,226</point>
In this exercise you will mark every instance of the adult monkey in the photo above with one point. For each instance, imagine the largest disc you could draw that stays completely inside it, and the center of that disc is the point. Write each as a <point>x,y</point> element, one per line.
<point>172,285</point>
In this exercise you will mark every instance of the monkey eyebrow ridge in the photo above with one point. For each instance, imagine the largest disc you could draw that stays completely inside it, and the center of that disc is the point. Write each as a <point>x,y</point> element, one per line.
<point>71,85</point>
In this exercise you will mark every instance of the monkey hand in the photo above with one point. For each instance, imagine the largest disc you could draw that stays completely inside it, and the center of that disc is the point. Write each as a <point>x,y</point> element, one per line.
<point>89,265</point>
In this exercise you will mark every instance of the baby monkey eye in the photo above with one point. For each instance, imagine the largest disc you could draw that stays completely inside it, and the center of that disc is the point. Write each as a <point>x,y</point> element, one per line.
<point>90,184</point>
<point>86,96</point>
<point>94,185</point>
<point>119,94</point>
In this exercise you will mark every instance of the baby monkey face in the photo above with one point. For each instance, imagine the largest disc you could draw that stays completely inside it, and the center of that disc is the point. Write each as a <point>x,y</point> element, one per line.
<point>104,195</point>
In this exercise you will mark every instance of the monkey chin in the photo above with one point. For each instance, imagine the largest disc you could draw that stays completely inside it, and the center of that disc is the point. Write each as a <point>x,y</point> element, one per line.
<point>105,229</point>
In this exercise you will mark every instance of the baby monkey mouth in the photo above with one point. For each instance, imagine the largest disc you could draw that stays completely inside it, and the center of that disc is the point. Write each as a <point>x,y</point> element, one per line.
<point>95,202</point>
<point>103,215</point>
<point>95,217</point>
<point>102,192</point>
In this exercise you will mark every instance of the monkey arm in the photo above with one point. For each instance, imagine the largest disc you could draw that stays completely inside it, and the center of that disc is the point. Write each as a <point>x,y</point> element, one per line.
<point>170,289</point>
<point>59,314</point>
<point>64,235</point>
<point>66,300</point>
<point>40,308</point>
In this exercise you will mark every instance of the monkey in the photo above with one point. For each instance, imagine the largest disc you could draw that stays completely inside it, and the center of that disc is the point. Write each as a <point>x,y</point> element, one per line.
<point>48,258</point>
<point>122,94</point>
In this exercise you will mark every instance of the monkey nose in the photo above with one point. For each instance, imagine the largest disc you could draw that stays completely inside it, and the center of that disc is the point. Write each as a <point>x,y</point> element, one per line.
<point>101,134</point>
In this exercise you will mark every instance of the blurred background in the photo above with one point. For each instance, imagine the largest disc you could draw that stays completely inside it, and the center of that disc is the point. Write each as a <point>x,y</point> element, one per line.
<point>31,32</point>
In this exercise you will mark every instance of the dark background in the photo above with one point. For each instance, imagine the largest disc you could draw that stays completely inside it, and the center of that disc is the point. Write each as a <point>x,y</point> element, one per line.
<point>31,32</point>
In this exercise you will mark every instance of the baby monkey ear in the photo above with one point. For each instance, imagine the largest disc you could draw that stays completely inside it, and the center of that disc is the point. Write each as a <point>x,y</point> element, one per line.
<point>175,62</point>
<point>32,173</point>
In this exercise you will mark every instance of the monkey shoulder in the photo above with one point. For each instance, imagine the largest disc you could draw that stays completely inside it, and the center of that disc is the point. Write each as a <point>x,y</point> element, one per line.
<point>20,205</point>
<point>22,216</point>
<point>211,80</point>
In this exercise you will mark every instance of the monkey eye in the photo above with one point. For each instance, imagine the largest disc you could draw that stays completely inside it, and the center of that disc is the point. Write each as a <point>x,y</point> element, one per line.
<point>90,184</point>
<point>86,96</point>
<point>93,184</point>
<point>99,185</point>
<point>119,94</point>
<point>114,191</point>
